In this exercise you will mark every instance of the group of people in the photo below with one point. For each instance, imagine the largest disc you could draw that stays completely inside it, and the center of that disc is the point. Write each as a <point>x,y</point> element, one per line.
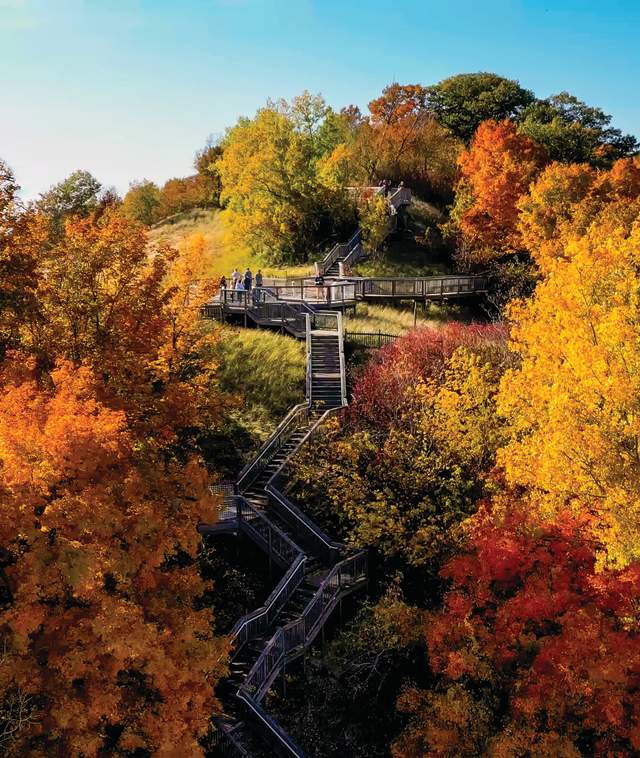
<point>241,282</point>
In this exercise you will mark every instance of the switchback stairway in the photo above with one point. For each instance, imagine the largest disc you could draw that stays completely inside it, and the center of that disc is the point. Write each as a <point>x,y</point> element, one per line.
<point>318,572</point>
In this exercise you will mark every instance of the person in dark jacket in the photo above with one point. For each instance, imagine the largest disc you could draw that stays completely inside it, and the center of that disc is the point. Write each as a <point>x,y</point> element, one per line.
<point>248,280</point>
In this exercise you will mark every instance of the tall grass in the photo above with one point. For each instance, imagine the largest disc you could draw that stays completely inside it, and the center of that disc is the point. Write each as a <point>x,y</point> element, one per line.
<point>266,370</point>
<point>398,319</point>
<point>222,256</point>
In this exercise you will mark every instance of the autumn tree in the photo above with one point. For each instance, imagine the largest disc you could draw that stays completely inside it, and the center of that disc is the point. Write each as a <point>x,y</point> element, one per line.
<point>275,203</point>
<point>462,102</point>
<point>495,172</point>
<point>565,200</point>
<point>100,634</point>
<point>535,650</point>
<point>375,221</point>
<point>407,465</point>
<point>142,202</point>
<point>572,405</point>
<point>102,484</point>
<point>402,141</point>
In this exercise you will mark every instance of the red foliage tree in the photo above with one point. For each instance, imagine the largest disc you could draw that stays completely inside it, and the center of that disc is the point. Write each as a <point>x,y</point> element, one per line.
<point>379,391</point>
<point>542,647</point>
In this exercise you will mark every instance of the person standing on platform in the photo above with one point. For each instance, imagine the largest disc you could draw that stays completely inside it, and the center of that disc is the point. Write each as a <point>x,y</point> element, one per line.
<point>258,287</point>
<point>239,288</point>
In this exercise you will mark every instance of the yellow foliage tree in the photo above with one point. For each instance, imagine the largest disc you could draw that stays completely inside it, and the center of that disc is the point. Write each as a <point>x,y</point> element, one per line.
<point>573,406</point>
<point>269,172</point>
<point>566,199</point>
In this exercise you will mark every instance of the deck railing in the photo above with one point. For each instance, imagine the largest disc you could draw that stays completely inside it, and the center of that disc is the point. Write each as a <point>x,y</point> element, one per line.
<point>434,286</point>
<point>369,339</point>
<point>226,491</point>
<point>286,305</point>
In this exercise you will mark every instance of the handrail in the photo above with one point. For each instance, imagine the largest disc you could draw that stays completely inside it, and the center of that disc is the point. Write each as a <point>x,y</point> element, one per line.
<point>271,726</point>
<point>324,597</point>
<point>225,738</point>
<point>252,624</point>
<point>285,306</point>
<point>301,632</point>
<point>301,524</point>
<point>401,196</point>
<point>257,526</point>
<point>270,445</point>
<point>343,369</point>
<point>370,339</point>
<point>337,250</point>
<point>309,374</point>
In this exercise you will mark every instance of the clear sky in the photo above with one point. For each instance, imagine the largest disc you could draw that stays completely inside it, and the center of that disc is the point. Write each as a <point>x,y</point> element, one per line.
<point>131,88</point>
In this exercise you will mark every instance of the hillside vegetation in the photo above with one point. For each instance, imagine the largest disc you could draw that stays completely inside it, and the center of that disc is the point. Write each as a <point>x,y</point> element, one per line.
<point>222,255</point>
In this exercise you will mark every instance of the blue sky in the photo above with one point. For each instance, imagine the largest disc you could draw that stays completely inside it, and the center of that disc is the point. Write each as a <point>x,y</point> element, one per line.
<point>130,88</point>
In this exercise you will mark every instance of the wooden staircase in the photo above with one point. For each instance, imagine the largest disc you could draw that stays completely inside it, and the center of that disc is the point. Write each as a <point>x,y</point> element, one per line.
<point>318,571</point>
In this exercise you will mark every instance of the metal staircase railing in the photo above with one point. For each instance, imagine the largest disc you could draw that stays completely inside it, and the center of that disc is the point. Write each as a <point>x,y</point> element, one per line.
<point>287,545</point>
<point>339,251</point>
<point>296,417</point>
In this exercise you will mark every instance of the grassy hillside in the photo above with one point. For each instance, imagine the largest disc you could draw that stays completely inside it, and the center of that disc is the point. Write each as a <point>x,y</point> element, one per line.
<point>399,318</point>
<point>222,255</point>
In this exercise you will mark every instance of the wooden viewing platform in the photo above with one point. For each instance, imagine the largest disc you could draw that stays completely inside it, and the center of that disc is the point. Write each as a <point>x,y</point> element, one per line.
<point>344,293</point>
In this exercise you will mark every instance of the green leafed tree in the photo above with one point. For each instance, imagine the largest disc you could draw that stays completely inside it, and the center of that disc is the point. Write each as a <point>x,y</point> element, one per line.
<point>142,202</point>
<point>77,195</point>
<point>574,132</point>
<point>464,101</point>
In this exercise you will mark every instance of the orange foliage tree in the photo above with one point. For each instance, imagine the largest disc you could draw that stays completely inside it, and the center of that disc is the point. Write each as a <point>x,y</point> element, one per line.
<point>566,199</point>
<point>102,488</point>
<point>495,172</point>
<point>403,141</point>
<point>100,630</point>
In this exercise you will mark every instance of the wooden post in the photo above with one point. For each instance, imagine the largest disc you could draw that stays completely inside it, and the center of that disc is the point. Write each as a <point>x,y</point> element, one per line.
<point>415,312</point>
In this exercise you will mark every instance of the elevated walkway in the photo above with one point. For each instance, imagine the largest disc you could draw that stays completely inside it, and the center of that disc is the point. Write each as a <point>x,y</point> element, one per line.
<point>319,571</point>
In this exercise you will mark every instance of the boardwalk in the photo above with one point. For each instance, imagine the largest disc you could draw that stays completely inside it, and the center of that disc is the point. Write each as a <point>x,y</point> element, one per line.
<point>284,306</point>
